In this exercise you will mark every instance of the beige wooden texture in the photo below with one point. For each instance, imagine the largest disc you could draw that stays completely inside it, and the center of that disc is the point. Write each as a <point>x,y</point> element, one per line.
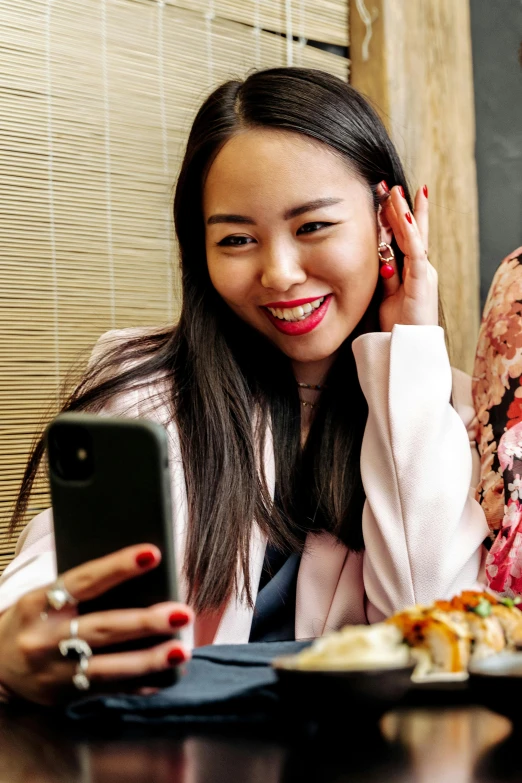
<point>419,76</point>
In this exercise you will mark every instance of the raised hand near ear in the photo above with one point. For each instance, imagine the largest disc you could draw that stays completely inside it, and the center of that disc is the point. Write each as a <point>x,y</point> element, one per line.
<point>414,299</point>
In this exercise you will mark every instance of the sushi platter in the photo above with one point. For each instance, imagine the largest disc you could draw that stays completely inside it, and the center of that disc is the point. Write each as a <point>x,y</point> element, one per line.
<point>469,643</point>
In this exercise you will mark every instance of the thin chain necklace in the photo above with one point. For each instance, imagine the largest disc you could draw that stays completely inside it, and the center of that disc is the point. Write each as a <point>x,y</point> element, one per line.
<point>313,387</point>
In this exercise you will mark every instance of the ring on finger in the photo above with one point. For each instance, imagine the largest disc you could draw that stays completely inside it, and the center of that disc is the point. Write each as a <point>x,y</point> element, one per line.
<point>74,647</point>
<point>80,677</point>
<point>407,255</point>
<point>79,650</point>
<point>58,596</point>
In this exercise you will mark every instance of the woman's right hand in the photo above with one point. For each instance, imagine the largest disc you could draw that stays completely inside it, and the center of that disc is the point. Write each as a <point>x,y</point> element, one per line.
<point>31,665</point>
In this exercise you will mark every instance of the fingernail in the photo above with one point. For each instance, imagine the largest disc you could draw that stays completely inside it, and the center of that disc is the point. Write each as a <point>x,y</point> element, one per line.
<point>401,191</point>
<point>175,657</point>
<point>178,619</point>
<point>425,190</point>
<point>145,559</point>
<point>385,187</point>
<point>408,217</point>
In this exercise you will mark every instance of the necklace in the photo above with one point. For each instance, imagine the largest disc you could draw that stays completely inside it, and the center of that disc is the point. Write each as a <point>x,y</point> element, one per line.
<point>318,387</point>
<point>313,386</point>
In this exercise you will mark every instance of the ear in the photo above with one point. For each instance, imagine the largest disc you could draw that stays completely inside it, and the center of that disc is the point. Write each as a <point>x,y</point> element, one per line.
<point>385,230</point>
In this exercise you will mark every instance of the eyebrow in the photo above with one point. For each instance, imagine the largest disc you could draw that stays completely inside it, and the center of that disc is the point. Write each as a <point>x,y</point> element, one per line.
<point>290,213</point>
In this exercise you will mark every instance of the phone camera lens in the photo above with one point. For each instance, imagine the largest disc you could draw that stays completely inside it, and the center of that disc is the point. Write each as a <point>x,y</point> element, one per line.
<point>70,451</point>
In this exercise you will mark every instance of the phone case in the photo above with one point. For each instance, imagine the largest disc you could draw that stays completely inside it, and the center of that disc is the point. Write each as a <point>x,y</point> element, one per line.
<point>110,488</point>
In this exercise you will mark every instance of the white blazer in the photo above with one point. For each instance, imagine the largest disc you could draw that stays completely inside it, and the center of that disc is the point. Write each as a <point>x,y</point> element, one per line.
<point>423,529</point>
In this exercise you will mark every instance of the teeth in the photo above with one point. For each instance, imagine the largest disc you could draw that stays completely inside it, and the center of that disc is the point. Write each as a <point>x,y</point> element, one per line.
<point>296,313</point>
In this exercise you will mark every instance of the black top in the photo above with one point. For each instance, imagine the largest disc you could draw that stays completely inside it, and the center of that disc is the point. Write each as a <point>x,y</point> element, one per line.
<point>274,611</point>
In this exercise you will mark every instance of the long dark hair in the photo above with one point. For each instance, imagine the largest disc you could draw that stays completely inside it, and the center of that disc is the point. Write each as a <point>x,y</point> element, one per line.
<point>228,387</point>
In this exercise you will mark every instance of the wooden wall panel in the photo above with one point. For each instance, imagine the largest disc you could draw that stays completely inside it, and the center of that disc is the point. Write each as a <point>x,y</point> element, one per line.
<point>419,76</point>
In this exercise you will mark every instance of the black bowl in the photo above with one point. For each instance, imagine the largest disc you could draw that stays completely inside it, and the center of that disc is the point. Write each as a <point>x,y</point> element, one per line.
<point>496,682</point>
<point>316,696</point>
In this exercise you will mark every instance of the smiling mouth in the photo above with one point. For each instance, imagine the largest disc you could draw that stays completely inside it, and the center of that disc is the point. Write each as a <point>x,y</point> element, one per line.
<point>298,320</point>
<point>294,314</point>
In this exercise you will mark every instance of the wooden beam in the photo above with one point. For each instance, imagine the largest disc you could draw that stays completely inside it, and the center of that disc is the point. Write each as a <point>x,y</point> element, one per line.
<point>419,77</point>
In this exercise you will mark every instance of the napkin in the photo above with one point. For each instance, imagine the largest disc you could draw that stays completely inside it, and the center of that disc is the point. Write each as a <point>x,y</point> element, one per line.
<point>226,683</point>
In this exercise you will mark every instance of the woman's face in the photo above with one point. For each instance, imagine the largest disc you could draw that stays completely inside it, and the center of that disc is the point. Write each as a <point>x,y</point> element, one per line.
<point>291,241</point>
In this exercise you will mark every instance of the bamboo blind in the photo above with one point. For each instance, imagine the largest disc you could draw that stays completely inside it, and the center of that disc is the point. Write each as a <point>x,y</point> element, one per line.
<point>96,100</point>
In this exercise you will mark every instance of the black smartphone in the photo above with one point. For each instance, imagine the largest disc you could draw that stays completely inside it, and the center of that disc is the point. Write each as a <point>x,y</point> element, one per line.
<point>110,488</point>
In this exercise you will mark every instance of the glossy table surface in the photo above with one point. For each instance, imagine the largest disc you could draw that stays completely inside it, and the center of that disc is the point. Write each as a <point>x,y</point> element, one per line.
<point>437,744</point>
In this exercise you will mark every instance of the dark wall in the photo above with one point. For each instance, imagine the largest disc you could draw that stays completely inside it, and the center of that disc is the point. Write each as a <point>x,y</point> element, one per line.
<point>496,30</point>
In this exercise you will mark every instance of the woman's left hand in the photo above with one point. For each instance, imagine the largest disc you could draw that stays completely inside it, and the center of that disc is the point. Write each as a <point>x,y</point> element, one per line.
<point>414,300</point>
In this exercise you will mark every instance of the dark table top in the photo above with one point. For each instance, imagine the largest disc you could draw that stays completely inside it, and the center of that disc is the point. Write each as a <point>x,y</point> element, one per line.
<point>437,744</point>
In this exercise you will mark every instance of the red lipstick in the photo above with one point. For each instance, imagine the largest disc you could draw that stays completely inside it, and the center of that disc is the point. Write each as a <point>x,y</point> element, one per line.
<point>295,303</point>
<point>296,328</point>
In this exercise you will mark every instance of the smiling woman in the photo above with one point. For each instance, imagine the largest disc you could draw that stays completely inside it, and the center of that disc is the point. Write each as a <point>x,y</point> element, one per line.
<point>310,236</point>
<point>320,474</point>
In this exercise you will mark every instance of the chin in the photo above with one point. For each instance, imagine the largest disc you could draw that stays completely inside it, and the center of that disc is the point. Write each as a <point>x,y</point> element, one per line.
<point>310,353</point>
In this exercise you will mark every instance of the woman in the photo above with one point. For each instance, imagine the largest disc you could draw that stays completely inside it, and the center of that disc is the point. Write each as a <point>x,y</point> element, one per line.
<point>497,394</point>
<point>306,393</point>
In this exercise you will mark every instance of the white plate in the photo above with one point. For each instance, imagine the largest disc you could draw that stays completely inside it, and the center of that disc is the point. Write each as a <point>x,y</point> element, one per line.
<point>439,677</point>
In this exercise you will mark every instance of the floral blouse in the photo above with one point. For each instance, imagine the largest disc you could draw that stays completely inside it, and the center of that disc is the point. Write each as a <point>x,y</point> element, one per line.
<point>497,395</point>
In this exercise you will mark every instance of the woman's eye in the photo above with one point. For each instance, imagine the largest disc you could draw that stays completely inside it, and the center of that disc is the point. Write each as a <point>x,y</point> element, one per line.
<point>309,228</point>
<point>235,241</point>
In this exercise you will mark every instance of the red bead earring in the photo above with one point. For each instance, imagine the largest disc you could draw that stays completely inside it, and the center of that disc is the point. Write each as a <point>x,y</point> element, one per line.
<point>386,271</point>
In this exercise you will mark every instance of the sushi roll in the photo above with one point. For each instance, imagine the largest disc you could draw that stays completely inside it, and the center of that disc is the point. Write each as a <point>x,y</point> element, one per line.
<point>487,634</point>
<point>446,638</point>
<point>510,618</point>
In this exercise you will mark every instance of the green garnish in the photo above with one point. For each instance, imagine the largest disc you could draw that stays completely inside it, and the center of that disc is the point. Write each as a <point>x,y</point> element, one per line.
<point>483,608</point>
<point>511,601</point>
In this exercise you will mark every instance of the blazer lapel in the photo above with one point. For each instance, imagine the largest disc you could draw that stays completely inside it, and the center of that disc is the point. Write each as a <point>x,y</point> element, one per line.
<point>321,566</point>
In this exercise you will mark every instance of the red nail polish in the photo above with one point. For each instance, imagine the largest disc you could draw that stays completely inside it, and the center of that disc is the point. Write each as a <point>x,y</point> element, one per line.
<point>145,559</point>
<point>385,187</point>
<point>408,217</point>
<point>178,619</point>
<point>175,657</point>
<point>387,271</point>
<point>425,190</point>
<point>401,191</point>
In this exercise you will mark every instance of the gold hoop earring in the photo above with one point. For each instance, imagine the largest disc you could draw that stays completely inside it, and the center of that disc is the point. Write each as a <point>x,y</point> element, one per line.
<point>387,270</point>
<point>389,248</point>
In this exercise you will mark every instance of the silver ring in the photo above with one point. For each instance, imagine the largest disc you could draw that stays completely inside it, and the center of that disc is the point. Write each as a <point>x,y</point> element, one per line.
<point>80,650</point>
<point>58,596</point>
<point>74,647</point>
<point>406,255</point>
<point>80,678</point>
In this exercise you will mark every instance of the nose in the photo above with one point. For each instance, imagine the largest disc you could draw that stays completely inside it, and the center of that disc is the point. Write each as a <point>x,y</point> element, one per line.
<point>282,269</point>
